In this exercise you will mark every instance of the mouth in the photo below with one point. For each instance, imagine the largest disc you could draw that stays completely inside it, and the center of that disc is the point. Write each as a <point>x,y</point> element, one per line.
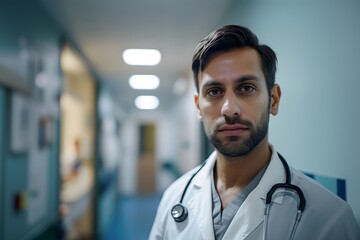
<point>233,129</point>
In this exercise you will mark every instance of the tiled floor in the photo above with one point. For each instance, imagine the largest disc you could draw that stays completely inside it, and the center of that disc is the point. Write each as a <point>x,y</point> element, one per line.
<point>134,218</point>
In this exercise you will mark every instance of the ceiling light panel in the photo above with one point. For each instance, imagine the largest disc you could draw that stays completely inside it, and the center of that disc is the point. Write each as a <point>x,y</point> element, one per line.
<point>146,102</point>
<point>147,82</point>
<point>142,57</point>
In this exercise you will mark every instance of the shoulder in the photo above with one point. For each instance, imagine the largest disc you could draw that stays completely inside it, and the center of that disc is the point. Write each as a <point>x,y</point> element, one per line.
<point>315,193</point>
<point>313,189</point>
<point>170,197</point>
<point>172,194</point>
<point>325,213</point>
<point>174,191</point>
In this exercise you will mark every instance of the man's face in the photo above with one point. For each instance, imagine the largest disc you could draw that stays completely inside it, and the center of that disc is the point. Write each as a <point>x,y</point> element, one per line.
<point>234,103</point>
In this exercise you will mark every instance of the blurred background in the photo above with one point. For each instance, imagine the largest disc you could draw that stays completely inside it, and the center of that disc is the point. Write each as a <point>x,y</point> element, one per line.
<point>90,139</point>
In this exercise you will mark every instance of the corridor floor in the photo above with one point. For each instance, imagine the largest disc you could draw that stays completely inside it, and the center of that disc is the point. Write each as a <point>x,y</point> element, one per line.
<point>134,217</point>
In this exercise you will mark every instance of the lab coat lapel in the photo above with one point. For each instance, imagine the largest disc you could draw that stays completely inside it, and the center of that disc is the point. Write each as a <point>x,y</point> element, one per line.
<point>251,212</point>
<point>201,202</point>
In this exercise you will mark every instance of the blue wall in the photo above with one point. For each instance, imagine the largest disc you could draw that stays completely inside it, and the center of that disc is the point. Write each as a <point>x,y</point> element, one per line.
<point>25,24</point>
<point>107,168</point>
<point>2,139</point>
<point>317,43</point>
<point>28,32</point>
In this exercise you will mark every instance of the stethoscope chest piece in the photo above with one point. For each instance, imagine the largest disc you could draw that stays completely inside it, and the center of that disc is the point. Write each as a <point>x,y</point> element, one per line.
<point>179,212</point>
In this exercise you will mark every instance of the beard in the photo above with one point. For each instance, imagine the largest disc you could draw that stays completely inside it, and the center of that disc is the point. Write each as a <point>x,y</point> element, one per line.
<point>237,146</point>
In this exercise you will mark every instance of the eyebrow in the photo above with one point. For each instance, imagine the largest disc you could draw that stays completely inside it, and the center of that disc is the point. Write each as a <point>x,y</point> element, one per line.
<point>214,82</point>
<point>211,83</point>
<point>247,78</point>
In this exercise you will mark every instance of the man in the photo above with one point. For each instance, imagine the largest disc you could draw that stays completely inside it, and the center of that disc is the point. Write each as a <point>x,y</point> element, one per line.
<point>226,197</point>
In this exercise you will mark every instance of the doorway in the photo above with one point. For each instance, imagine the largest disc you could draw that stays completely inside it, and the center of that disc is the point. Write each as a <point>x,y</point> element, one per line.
<point>77,155</point>
<point>146,159</point>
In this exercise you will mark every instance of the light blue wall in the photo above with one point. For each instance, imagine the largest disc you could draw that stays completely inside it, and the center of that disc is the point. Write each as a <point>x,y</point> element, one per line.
<point>107,167</point>
<point>25,20</point>
<point>2,117</point>
<point>317,43</point>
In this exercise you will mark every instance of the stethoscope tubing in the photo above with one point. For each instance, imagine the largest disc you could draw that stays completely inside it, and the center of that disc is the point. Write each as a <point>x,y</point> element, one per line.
<point>179,211</point>
<point>189,181</point>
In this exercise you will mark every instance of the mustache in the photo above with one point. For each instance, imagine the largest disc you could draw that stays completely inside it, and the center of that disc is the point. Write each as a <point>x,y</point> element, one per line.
<point>232,120</point>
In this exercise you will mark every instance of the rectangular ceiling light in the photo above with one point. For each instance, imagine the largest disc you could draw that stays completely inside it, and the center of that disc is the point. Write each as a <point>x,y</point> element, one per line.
<point>143,57</point>
<point>144,81</point>
<point>146,102</point>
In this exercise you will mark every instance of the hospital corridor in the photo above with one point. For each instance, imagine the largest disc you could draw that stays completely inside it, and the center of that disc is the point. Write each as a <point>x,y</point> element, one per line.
<point>98,115</point>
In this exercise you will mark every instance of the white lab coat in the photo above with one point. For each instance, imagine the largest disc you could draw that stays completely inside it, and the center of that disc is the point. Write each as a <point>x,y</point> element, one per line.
<point>325,216</point>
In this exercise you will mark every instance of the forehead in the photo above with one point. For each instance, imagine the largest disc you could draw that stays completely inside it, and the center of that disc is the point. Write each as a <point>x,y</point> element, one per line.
<point>233,64</point>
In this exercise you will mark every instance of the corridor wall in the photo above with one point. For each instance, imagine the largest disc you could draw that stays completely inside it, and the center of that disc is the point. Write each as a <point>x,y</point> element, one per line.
<point>2,117</point>
<point>318,70</point>
<point>109,157</point>
<point>29,182</point>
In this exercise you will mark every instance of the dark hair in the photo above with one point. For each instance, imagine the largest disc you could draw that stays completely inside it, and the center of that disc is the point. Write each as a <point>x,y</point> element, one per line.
<point>230,37</point>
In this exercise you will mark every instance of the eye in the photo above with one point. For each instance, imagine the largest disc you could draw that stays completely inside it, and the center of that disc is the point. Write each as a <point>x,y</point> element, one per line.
<point>247,89</point>
<point>214,92</point>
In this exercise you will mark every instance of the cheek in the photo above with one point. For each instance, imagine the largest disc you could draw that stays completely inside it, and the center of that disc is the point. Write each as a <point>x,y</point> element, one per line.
<point>209,111</point>
<point>209,115</point>
<point>262,102</point>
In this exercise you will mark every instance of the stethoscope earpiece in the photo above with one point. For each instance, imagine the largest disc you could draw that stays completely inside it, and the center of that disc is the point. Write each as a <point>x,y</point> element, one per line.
<point>179,212</point>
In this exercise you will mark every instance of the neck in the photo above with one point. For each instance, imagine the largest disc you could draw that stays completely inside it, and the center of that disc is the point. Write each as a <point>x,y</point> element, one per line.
<point>239,171</point>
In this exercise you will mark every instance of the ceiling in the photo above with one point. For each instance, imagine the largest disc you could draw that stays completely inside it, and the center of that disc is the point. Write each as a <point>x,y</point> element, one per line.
<point>102,30</point>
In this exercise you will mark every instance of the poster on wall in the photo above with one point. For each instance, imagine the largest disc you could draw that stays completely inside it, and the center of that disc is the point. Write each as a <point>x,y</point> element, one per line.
<point>19,122</point>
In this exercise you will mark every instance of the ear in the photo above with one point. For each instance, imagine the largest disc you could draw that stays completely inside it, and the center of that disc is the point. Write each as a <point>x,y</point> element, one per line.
<point>275,99</point>
<point>196,100</point>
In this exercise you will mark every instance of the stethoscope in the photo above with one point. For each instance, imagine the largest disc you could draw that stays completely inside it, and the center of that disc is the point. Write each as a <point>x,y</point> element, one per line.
<point>179,212</point>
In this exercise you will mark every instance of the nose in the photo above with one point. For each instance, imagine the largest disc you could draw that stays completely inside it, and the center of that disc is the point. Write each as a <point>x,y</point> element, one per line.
<point>231,106</point>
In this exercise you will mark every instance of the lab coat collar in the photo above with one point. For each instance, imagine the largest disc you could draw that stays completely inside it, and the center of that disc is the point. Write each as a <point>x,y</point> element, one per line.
<point>251,212</point>
<point>274,168</point>
<point>201,202</point>
<point>200,178</point>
